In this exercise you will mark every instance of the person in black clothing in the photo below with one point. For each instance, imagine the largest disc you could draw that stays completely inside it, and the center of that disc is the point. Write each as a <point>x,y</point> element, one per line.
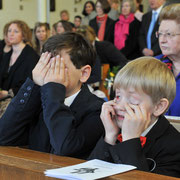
<point>147,140</point>
<point>55,111</point>
<point>102,24</point>
<point>17,64</point>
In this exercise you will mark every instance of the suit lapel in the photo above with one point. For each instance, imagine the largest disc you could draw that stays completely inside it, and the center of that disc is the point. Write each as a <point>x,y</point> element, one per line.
<point>158,130</point>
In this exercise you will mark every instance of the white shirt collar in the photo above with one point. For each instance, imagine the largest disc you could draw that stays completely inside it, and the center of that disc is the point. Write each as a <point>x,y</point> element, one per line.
<point>149,128</point>
<point>157,11</point>
<point>69,100</point>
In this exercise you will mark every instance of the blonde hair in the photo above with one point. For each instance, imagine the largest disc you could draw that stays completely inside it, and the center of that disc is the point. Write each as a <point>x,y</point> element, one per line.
<point>88,32</point>
<point>171,12</point>
<point>149,75</point>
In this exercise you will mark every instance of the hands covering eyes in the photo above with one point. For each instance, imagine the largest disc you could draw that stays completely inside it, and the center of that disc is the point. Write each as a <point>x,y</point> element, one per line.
<point>50,70</point>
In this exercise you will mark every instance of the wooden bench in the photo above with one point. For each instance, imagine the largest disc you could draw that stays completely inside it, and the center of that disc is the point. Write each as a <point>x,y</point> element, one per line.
<point>24,164</point>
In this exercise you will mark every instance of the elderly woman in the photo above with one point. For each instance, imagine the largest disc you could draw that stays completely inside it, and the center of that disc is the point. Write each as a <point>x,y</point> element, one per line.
<point>127,30</point>
<point>169,41</point>
<point>102,24</point>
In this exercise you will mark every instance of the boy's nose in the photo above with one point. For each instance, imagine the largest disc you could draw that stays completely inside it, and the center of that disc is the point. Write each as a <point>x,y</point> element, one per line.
<point>120,105</point>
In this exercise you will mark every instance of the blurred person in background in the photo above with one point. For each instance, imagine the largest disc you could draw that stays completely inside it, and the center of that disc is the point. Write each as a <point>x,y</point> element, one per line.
<point>114,12</point>
<point>64,15</point>
<point>5,45</point>
<point>88,12</point>
<point>41,34</point>
<point>102,24</point>
<point>63,26</point>
<point>127,30</point>
<point>169,41</point>
<point>106,51</point>
<point>53,30</point>
<point>149,45</point>
<point>77,21</point>
<point>139,10</point>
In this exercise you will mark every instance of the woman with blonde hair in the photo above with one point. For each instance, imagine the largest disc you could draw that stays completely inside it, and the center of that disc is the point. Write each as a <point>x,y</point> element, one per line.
<point>40,36</point>
<point>17,64</point>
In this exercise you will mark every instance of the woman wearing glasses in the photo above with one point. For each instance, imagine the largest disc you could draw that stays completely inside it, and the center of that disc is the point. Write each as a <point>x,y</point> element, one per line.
<point>102,24</point>
<point>169,41</point>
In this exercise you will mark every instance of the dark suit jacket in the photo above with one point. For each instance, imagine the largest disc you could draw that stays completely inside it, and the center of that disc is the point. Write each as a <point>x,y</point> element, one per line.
<point>161,153</point>
<point>146,20</point>
<point>2,44</point>
<point>109,31</point>
<point>131,49</point>
<point>38,117</point>
<point>16,76</point>
<point>109,54</point>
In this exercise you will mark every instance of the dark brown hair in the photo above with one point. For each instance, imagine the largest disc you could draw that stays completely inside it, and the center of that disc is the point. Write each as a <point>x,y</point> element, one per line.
<point>79,49</point>
<point>105,5</point>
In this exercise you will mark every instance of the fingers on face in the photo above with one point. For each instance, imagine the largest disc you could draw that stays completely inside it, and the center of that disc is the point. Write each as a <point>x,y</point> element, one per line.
<point>57,64</point>
<point>45,57</point>
<point>108,108</point>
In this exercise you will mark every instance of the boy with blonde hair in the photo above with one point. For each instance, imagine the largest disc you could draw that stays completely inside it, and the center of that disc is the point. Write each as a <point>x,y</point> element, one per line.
<point>144,90</point>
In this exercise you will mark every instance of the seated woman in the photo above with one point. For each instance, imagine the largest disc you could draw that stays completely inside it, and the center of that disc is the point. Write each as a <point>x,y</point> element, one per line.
<point>102,24</point>
<point>169,40</point>
<point>127,30</point>
<point>88,12</point>
<point>17,64</point>
<point>63,26</point>
<point>41,34</point>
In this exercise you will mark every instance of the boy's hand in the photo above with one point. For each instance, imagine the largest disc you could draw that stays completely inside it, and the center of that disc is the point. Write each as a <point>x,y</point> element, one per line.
<point>109,122</point>
<point>41,68</point>
<point>57,72</point>
<point>136,120</point>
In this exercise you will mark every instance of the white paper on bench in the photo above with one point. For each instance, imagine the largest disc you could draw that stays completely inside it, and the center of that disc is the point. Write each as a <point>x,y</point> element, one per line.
<point>90,170</point>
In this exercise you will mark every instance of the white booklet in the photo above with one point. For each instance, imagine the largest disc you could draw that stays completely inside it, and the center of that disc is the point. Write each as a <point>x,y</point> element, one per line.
<point>93,169</point>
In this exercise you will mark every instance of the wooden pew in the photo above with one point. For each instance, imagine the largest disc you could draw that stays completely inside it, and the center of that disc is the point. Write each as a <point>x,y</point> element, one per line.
<point>23,164</point>
<point>175,121</point>
<point>104,72</point>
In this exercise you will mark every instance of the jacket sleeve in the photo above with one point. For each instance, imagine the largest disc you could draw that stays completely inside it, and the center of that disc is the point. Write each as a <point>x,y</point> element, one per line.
<point>162,159</point>
<point>70,134</point>
<point>14,124</point>
<point>127,152</point>
<point>142,34</point>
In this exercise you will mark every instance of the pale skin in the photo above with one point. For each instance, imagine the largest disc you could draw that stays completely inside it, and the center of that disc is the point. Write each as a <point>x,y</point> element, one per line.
<point>132,112</point>
<point>136,120</point>
<point>50,70</point>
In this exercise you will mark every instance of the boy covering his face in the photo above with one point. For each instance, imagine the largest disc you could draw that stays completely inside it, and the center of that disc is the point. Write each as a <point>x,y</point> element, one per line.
<point>145,88</point>
<point>55,112</point>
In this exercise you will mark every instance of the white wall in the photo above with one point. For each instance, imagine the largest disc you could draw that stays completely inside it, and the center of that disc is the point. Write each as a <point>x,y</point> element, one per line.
<point>29,13</point>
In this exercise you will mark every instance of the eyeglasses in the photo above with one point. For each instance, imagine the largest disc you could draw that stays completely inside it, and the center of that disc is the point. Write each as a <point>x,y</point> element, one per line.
<point>166,35</point>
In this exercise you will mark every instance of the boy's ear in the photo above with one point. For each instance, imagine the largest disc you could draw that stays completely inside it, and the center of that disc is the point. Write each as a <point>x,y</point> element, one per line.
<point>85,73</point>
<point>161,107</point>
